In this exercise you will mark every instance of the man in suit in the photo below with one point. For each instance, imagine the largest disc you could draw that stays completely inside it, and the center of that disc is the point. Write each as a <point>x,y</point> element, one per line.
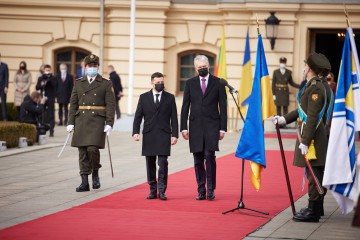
<point>47,85</point>
<point>65,82</point>
<point>281,78</point>
<point>206,97</point>
<point>81,72</point>
<point>312,104</point>
<point>116,82</point>
<point>4,85</point>
<point>161,130</point>
<point>91,117</point>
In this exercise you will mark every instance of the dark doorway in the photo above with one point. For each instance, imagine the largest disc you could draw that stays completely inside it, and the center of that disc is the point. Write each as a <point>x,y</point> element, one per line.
<point>330,43</point>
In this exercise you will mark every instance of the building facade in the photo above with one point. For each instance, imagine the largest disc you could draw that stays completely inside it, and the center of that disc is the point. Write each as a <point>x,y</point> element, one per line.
<point>168,34</point>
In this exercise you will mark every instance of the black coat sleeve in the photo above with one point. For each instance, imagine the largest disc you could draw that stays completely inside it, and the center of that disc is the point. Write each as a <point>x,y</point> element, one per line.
<point>223,108</point>
<point>185,107</point>
<point>138,117</point>
<point>291,81</point>
<point>174,119</point>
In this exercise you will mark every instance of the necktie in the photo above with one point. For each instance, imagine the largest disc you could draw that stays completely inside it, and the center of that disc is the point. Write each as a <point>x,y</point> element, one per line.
<point>63,77</point>
<point>91,80</point>
<point>157,102</point>
<point>203,85</point>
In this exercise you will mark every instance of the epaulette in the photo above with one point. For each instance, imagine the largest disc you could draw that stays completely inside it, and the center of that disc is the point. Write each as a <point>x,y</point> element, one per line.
<point>313,82</point>
<point>106,79</point>
<point>78,79</point>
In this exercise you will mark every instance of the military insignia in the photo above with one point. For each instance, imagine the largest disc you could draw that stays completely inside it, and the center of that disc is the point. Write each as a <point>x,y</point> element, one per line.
<point>315,97</point>
<point>92,56</point>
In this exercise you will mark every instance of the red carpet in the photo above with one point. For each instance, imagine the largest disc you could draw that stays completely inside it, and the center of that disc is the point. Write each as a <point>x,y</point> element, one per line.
<point>128,215</point>
<point>283,135</point>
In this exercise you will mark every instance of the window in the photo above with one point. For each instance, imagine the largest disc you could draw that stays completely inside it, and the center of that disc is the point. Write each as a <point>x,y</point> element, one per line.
<point>186,66</point>
<point>71,57</point>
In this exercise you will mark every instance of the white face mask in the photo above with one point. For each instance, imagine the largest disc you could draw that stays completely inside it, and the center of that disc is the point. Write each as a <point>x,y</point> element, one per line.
<point>63,71</point>
<point>304,73</point>
<point>282,65</point>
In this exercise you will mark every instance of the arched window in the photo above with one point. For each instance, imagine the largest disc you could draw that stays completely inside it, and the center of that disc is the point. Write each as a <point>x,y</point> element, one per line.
<point>186,66</point>
<point>71,57</point>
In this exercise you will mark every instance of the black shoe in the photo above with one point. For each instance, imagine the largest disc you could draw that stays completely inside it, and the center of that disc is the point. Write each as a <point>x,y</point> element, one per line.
<point>152,195</point>
<point>201,197</point>
<point>310,214</point>
<point>211,195</point>
<point>162,196</point>
<point>84,186</point>
<point>60,124</point>
<point>52,134</point>
<point>95,179</point>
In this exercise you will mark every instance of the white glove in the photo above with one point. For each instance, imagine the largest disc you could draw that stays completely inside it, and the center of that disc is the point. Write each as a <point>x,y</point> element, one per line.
<point>107,129</point>
<point>69,128</point>
<point>279,119</point>
<point>274,96</point>
<point>304,149</point>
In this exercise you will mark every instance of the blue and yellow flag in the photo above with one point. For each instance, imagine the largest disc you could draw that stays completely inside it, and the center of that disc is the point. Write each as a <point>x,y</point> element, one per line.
<point>340,169</point>
<point>246,81</point>
<point>261,106</point>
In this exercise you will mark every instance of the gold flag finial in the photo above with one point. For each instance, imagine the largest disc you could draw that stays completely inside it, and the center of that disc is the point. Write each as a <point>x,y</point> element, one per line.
<point>346,16</point>
<point>257,22</point>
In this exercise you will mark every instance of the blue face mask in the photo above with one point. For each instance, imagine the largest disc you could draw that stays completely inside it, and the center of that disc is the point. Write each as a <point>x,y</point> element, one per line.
<point>92,71</point>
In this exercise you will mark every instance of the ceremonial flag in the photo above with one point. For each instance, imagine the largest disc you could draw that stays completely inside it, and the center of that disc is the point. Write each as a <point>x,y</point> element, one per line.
<point>246,81</point>
<point>220,69</point>
<point>261,106</point>
<point>340,169</point>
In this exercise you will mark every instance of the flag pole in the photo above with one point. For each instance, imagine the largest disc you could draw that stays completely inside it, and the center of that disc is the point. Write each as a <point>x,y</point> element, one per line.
<point>346,16</point>
<point>285,169</point>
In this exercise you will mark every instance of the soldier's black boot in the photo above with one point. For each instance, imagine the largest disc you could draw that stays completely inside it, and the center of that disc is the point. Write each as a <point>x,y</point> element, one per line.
<point>95,179</point>
<point>84,186</point>
<point>321,208</point>
<point>310,214</point>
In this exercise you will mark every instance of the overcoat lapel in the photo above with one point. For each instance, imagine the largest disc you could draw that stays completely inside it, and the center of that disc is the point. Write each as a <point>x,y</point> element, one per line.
<point>95,84</point>
<point>150,98</point>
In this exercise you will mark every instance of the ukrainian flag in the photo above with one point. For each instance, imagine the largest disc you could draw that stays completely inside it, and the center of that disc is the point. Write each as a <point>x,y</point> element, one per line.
<point>246,81</point>
<point>340,169</point>
<point>261,106</point>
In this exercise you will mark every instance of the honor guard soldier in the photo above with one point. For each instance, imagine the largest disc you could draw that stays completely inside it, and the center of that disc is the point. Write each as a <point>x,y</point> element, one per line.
<point>91,117</point>
<point>280,86</point>
<point>312,105</point>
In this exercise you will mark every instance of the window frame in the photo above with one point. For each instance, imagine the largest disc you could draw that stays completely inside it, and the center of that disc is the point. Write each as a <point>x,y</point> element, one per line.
<point>73,58</point>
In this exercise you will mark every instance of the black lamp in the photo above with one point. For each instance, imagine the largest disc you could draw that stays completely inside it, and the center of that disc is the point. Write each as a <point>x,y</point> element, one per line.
<point>272,24</point>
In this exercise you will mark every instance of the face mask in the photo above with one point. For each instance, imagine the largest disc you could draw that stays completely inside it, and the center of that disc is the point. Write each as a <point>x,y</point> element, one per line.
<point>63,71</point>
<point>22,67</point>
<point>203,72</point>
<point>282,65</point>
<point>92,71</point>
<point>47,73</point>
<point>304,73</point>
<point>159,87</point>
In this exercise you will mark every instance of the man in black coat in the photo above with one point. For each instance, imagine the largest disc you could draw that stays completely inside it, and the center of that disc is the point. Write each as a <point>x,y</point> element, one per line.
<point>161,130</point>
<point>116,82</point>
<point>4,85</point>
<point>47,84</point>
<point>206,97</point>
<point>65,83</point>
<point>31,110</point>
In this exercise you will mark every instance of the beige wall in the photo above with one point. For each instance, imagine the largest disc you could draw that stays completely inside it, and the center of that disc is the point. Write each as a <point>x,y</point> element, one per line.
<point>32,30</point>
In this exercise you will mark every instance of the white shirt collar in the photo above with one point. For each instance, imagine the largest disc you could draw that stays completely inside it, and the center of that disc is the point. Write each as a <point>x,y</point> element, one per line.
<point>93,78</point>
<point>153,92</point>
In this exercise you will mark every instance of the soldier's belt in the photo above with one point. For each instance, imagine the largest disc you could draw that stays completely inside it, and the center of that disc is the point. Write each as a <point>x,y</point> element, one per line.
<point>281,85</point>
<point>92,108</point>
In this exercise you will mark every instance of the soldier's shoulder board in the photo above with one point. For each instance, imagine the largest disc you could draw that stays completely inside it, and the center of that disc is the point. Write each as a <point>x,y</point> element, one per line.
<point>106,79</point>
<point>313,82</point>
<point>78,79</point>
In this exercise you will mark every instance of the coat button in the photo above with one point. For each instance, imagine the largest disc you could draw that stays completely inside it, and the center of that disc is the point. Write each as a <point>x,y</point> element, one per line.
<point>93,112</point>
<point>83,93</point>
<point>83,103</point>
<point>83,111</point>
<point>94,94</point>
<point>93,103</point>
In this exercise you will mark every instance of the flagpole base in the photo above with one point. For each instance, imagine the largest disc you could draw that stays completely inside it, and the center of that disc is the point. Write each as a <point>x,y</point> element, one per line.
<point>241,205</point>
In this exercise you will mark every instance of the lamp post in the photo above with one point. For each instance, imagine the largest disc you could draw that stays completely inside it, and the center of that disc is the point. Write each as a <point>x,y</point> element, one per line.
<point>272,24</point>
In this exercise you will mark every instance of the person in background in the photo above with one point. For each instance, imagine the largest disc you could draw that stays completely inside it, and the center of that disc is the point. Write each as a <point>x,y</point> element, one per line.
<point>40,72</point>
<point>280,87</point>
<point>116,82</point>
<point>47,86</point>
<point>31,111</point>
<point>80,72</point>
<point>4,85</point>
<point>22,83</point>
<point>65,83</point>
<point>331,82</point>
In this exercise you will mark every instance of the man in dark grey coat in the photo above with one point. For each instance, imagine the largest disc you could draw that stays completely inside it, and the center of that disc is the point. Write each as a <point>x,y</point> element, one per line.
<point>4,85</point>
<point>91,117</point>
<point>161,130</point>
<point>206,97</point>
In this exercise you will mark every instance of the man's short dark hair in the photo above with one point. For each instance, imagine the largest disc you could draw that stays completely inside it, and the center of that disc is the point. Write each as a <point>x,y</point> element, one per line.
<point>47,66</point>
<point>156,75</point>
